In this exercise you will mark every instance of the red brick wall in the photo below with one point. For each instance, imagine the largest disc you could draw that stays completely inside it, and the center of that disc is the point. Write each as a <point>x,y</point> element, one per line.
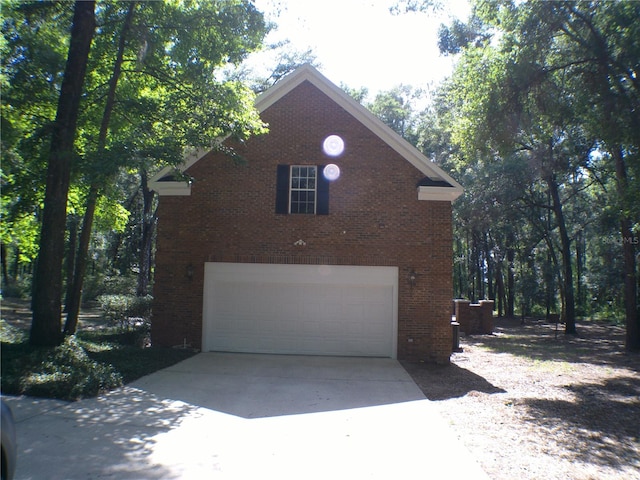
<point>374,218</point>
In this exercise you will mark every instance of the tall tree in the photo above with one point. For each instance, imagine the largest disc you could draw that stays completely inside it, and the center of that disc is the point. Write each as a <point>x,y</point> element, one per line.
<point>604,42</point>
<point>34,51</point>
<point>47,291</point>
<point>176,49</point>
<point>74,293</point>
<point>546,89</point>
<point>593,50</point>
<point>394,108</point>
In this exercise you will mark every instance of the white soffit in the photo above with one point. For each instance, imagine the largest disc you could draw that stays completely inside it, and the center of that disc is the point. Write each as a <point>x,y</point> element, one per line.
<point>176,187</point>
<point>443,194</point>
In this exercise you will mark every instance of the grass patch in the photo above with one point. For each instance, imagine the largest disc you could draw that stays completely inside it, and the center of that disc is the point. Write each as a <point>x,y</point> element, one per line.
<point>83,366</point>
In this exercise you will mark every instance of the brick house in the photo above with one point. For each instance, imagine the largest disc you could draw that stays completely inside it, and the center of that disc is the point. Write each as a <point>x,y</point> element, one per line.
<point>334,238</point>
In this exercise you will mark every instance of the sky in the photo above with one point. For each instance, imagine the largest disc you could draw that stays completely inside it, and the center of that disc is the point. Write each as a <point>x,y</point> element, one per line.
<point>359,43</point>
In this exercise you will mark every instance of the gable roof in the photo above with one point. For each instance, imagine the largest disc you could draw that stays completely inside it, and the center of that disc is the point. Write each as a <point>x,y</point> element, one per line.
<point>437,186</point>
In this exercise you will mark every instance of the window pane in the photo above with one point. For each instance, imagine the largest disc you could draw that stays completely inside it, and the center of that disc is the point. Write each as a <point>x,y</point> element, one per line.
<point>303,189</point>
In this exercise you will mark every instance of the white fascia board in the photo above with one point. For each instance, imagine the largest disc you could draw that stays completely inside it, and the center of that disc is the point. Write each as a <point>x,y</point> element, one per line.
<point>176,189</point>
<point>362,114</point>
<point>358,111</point>
<point>181,188</point>
<point>443,194</point>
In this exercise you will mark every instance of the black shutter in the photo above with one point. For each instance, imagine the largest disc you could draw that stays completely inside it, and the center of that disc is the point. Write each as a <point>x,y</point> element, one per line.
<point>282,190</point>
<point>322,207</point>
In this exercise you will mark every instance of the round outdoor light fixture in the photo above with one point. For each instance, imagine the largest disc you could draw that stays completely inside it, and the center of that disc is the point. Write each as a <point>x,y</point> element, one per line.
<point>331,172</point>
<point>333,145</point>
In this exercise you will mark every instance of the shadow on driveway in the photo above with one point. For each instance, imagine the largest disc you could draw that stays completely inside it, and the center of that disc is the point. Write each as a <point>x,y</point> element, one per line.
<point>106,437</point>
<point>235,416</point>
<point>257,386</point>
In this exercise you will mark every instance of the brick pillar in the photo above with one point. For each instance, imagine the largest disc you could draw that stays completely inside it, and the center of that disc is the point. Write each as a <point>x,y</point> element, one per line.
<point>463,314</point>
<point>486,308</point>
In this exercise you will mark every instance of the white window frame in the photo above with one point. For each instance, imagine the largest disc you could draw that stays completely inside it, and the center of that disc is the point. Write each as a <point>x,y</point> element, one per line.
<point>293,189</point>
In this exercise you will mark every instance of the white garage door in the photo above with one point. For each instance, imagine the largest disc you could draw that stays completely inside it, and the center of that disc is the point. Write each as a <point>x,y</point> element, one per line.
<point>300,309</point>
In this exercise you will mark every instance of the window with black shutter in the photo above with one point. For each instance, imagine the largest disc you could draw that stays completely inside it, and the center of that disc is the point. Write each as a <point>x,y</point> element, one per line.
<point>302,189</point>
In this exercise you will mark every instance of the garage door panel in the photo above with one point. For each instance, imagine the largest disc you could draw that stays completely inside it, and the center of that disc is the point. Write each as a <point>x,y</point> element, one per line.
<point>300,309</point>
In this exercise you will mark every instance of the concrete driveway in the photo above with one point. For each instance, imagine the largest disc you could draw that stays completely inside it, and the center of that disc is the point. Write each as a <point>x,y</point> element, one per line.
<point>243,416</point>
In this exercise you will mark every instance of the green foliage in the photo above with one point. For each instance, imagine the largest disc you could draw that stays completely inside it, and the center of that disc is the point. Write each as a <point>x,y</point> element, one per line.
<point>112,216</point>
<point>64,372</point>
<point>100,283</point>
<point>454,38</point>
<point>11,334</point>
<point>529,106</point>
<point>36,39</point>
<point>67,371</point>
<point>126,311</point>
<point>394,108</point>
<point>19,287</point>
<point>22,234</point>
<point>358,94</point>
<point>83,366</point>
<point>170,95</point>
<point>285,60</point>
<point>401,6</point>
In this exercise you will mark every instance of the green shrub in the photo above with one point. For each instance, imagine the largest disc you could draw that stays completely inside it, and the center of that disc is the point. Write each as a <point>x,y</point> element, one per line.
<point>67,372</point>
<point>11,334</point>
<point>99,284</point>
<point>127,311</point>
<point>18,288</point>
<point>94,361</point>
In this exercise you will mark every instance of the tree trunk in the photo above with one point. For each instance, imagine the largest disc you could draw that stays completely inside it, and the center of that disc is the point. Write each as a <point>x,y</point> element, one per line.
<point>489,260</point>
<point>5,270</point>
<point>629,242</point>
<point>477,260</point>
<point>460,253</point>
<point>71,257</point>
<point>632,339</point>
<point>548,285</point>
<point>499,288</point>
<point>47,291</point>
<point>73,309</point>
<point>148,225</point>
<point>469,267</point>
<point>75,298</point>
<point>580,263</point>
<point>569,301</point>
<point>511,294</point>
<point>548,266</point>
<point>15,268</point>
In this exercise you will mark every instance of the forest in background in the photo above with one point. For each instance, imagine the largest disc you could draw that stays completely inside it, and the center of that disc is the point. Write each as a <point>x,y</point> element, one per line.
<point>540,122</point>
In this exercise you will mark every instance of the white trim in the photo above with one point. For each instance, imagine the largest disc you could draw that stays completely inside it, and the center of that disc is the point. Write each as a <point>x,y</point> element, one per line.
<point>364,116</point>
<point>298,189</point>
<point>176,189</point>
<point>359,112</point>
<point>445,194</point>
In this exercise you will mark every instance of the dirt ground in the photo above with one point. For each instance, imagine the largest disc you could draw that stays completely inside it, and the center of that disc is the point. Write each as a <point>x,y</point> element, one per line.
<point>530,405</point>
